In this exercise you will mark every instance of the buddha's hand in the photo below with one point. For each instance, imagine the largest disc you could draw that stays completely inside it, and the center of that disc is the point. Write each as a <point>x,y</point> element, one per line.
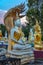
<point>23,39</point>
<point>20,42</point>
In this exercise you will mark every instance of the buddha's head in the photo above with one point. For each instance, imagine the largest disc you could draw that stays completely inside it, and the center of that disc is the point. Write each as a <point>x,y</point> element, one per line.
<point>17,21</point>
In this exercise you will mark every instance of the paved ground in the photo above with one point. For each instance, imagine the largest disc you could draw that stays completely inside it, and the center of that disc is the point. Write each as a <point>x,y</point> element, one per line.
<point>35,63</point>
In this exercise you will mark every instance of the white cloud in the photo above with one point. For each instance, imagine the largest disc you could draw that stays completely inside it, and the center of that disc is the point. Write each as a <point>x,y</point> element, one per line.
<point>2,13</point>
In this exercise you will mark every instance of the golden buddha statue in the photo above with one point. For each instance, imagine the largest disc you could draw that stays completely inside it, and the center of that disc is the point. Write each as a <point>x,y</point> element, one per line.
<point>37,36</point>
<point>0,34</point>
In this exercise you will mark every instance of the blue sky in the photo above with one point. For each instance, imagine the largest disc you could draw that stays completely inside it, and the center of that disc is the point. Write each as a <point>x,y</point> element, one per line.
<point>7,4</point>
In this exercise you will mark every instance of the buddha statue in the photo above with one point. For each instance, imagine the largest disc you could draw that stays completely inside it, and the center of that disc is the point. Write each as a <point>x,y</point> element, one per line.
<point>31,35</point>
<point>18,46</point>
<point>0,34</point>
<point>37,36</point>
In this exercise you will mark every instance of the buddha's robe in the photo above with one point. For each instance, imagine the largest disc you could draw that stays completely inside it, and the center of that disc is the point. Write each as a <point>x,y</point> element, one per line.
<point>15,36</point>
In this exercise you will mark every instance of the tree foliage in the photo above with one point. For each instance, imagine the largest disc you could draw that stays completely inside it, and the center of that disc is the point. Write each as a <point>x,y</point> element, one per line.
<point>35,11</point>
<point>3,29</point>
<point>26,30</point>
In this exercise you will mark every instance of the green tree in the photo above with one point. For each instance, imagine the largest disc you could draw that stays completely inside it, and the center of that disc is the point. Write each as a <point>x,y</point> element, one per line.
<point>26,30</point>
<point>35,11</point>
<point>3,29</point>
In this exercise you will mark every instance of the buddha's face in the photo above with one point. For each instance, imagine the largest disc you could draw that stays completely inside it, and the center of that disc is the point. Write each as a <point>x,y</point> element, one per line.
<point>17,22</point>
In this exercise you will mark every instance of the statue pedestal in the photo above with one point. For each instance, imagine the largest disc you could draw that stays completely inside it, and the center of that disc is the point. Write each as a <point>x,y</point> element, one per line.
<point>38,54</point>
